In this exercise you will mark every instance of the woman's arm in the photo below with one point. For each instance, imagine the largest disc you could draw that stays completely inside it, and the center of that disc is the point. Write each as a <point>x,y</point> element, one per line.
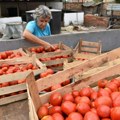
<point>30,37</point>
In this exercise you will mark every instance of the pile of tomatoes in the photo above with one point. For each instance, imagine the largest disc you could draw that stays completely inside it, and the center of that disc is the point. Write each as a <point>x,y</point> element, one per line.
<point>84,104</point>
<point>49,72</point>
<point>10,54</point>
<point>42,49</point>
<point>8,69</point>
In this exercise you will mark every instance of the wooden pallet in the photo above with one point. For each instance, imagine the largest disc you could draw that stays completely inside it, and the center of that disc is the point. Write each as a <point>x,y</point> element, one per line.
<point>55,64</point>
<point>86,50</point>
<point>83,77</point>
<point>6,91</point>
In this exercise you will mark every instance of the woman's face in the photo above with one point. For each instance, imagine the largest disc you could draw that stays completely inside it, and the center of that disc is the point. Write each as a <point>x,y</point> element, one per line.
<point>42,22</point>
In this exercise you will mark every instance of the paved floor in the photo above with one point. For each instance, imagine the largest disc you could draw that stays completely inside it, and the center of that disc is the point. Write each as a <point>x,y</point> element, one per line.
<point>15,111</point>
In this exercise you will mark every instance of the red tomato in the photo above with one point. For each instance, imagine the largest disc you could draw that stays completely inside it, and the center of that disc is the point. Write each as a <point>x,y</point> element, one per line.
<point>91,116</point>
<point>55,109</point>
<point>103,100</point>
<point>102,83</point>
<point>21,81</point>
<point>77,99</point>
<point>103,111</point>
<point>94,95</point>
<point>50,71</point>
<point>3,55</point>
<point>75,116</point>
<point>83,108</point>
<point>47,117</point>
<point>85,99</point>
<point>13,82</point>
<point>42,111</point>
<point>29,66</point>
<point>116,101</point>
<point>75,93</point>
<point>66,82</point>
<point>112,86</point>
<point>57,116</point>
<point>85,92</point>
<point>68,107</point>
<point>93,110</point>
<point>114,95</point>
<point>5,84</point>
<point>68,97</point>
<point>56,99</point>
<point>103,92</point>
<point>33,49</point>
<point>54,87</point>
<point>115,113</point>
<point>44,74</point>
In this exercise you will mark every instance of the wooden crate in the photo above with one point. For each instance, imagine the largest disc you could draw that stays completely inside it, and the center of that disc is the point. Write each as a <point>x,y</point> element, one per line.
<point>54,60</point>
<point>16,53</point>
<point>5,92</point>
<point>82,74</point>
<point>86,50</point>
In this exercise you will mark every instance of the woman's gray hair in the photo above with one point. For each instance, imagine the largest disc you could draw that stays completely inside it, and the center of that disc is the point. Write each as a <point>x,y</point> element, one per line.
<point>42,11</point>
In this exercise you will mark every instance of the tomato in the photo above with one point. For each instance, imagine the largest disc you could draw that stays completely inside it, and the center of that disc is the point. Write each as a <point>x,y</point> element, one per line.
<point>103,92</point>
<point>54,87</point>
<point>55,99</point>
<point>85,99</point>
<point>83,108</point>
<point>93,110</point>
<point>5,84</point>
<point>44,74</point>
<point>116,101</point>
<point>102,83</point>
<point>103,111</point>
<point>65,82</point>
<point>47,117</point>
<point>77,99</point>
<point>29,66</point>
<point>94,95</point>
<point>42,111</point>
<point>33,49</point>
<point>5,65</point>
<point>75,93</point>
<point>50,71</point>
<point>13,82</point>
<point>114,95</point>
<point>57,116</point>
<point>85,92</point>
<point>21,81</point>
<point>1,72</point>
<point>103,100</point>
<point>115,113</point>
<point>91,116</point>
<point>112,86</point>
<point>3,55</point>
<point>55,109</point>
<point>116,82</point>
<point>75,116</point>
<point>68,107</point>
<point>68,97</point>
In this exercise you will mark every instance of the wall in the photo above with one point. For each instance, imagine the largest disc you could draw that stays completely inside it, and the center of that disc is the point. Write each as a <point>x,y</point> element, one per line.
<point>110,39</point>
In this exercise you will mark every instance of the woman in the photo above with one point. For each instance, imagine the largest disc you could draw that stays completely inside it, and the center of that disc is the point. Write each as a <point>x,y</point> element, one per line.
<point>39,27</point>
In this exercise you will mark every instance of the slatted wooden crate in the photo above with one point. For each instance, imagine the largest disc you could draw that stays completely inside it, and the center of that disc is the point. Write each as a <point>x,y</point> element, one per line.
<point>83,77</point>
<point>10,54</point>
<point>86,50</point>
<point>54,60</point>
<point>11,85</point>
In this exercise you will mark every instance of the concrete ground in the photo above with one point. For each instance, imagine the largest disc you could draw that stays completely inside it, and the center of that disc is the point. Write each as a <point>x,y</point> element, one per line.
<point>15,111</point>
